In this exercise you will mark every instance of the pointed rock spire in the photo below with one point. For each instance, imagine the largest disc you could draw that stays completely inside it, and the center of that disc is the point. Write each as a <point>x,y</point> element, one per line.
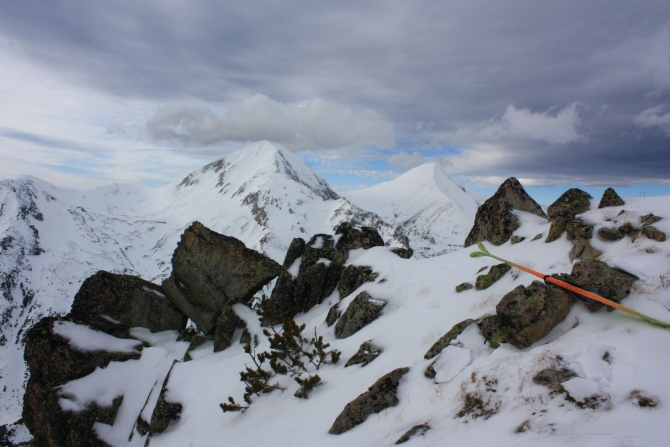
<point>610,198</point>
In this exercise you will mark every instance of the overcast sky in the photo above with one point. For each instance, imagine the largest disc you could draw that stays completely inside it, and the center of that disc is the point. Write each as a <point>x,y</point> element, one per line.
<point>559,93</point>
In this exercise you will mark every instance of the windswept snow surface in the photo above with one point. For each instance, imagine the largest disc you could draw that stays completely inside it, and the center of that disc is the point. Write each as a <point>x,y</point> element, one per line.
<point>51,239</point>
<point>432,210</point>
<point>614,355</point>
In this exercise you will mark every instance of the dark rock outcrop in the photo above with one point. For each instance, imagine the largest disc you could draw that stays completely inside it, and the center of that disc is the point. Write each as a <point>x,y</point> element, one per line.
<point>495,331</point>
<point>417,430</point>
<point>495,273</point>
<point>582,249</point>
<point>164,413</point>
<point>366,353</point>
<point>610,234</point>
<point>353,239</point>
<point>649,219</point>
<point>225,327</point>
<point>494,221</point>
<point>333,314</point>
<point>52,362</point>
<point>447,338</point>
<point>563,211</point>
<point>362,311</point>
<point>404,253</point>
<point>211,271</point>
<point>113,303</point>
<point>601,279</point>
<point>653,233</point>
<point>553,377</point>
<point>463,287</point>
<point>533,311</point>
<point>381,395</point>
<point>610,198</point>
<point>516,239</point>
<point>353,277</point>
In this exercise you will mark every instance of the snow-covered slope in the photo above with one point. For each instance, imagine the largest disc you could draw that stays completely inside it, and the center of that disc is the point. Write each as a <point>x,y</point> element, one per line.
<point>432,210</point>
<point>51,238</point>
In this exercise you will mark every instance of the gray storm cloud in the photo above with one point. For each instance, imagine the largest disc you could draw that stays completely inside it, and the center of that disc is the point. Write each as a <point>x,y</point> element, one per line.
<point>319,124</point>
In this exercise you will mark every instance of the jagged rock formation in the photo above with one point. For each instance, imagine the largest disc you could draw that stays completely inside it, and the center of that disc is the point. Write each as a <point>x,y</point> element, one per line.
<point>572,202</point>
<point>601,279</point>
<point>610,198</point>
<point>366,353</point>
<point>494,221</point>
<point>210,272</point>
<point>362,311</point>
<point>381,395</point>
<point>312,270</point>
<point>115,303</point>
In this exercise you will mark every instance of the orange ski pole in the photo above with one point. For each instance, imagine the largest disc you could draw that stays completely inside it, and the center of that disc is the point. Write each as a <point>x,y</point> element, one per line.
<point>565,285</point>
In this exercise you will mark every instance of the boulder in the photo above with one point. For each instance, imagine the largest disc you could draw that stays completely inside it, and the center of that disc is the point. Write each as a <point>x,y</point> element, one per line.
<point>353,239</point>
<point>225,327</point>
<point>563,211</point>
<point>601,279</point>
<point>494,221</point>
<point>113,303</point>
<point>516,239</point>
<point>649,219</point>
<point>582,249</point>
<point>366,353</point>
<point>52,362</point>
<point>381,395</point>
<point>295,250</point>
<point>495,273</point>
<point>553,377</point>
<point>353,277</point>
<point>404,253</point>
<point>210,271</point>
<point>610,234</point>
<point>333,314</point>
<point>610,198</point>
<point>362,311</point>
<point>652,233</point>
<point>447,338</point>
<point>578,229</point>
<point>533,311</point>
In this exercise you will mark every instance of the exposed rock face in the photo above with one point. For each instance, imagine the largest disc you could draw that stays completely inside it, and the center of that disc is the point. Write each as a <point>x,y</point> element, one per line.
<point>444,341</point>
<point>495,273</point>
<point>225,327</point>
<point>333,314</point>
<point>379,396</point>
<point>210,271</point>
<point>533,311</point>
<point>494,221</point>
<point>321,268</point>
<point>353,277</point>
<point>366,353</point>
<point>610,198</point>
<point>601,279</point>
<point>563,211</point>
<point>417,430</point>
<point>164,413</point>
<point>113,303</point>
<point>495,331</point>
<point>362,311</point>
<point>53,362</point>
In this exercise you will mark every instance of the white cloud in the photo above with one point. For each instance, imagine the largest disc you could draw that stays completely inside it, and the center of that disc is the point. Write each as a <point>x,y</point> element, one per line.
<point>540,126</point>
<point>406,161</point>
<point>654,118</point>
<point>319,124</point>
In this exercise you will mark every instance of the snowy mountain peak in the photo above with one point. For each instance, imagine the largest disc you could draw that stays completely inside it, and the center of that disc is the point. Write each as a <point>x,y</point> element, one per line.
<point>431,208</point>
<point>262,161</point>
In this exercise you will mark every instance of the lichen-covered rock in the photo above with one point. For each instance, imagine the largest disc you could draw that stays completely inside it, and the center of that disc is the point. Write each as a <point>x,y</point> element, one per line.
<point>164,413</point>
<point>578,229</point>
<point>494,221</point>
<point>353,277</point>
<point>558,226</point>
<point>210,271</point>
<point>404,253</point>
<point>533,311</point>
<point>649,219</point>
<point>610,198</point>
<point>362,311</point>
<point>610,234</point>
<point>444,341</point>
<point>113,303</point>
<point>552,377</point>
<point>463,287</point>
<point>652,233</point>
<point>366,353</point>
<point>295,250</point>
<point>495,273</point>
<point>495,331</point>
<point>601,279</point>
<point>353,239</point>
<point>381,395</point>
<point>572,202</point>
<point>333,314</point>
<point>417,430</point>
<point>582,249</point>
<point>52,362</point>
<point>516,239</point>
